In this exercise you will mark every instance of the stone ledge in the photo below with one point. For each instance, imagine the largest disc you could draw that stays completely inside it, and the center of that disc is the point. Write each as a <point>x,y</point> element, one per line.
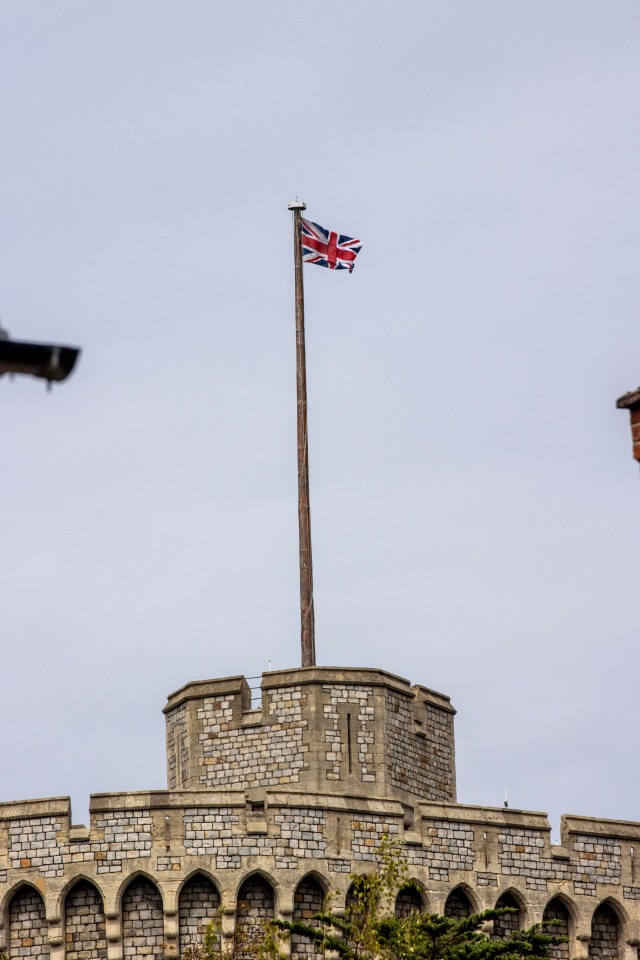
<point>620,829</point>
<point>26,809</point>
<point>79,834</point>
<point>359,676</point>
<point>197,689</point>
<point>495,816</point>
<point>165,799</point>
<point>434,699</point>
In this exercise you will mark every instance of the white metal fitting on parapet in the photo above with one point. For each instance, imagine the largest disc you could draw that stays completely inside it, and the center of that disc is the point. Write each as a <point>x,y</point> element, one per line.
<point>297,205</point>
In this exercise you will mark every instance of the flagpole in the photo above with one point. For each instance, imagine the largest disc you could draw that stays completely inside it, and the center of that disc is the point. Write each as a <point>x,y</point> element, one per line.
<point>307,620</point>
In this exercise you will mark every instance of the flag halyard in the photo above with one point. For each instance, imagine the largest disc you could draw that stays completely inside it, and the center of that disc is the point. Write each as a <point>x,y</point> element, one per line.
<point>327,248</point>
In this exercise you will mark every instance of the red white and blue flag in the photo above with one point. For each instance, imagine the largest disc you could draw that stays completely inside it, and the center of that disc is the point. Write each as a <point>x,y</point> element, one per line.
<point>328,248</point>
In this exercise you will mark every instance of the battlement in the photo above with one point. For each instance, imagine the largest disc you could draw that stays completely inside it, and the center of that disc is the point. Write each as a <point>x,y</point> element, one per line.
<point>318,728</point>
<point>269,807</point>
<point>155,845</point>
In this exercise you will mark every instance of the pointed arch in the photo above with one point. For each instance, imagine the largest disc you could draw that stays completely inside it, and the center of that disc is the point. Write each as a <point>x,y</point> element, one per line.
<point>256,903</point>
<point>320,880</point>
<point>620,912</point>
<point>199,872</point>
<point>308,900</point>
<point>198,905</point>
<point>128,880</point>
<point>557,911</point>
<point>410,899</point>
<point>568,904</point>
<point>606,930</point>
<point>504,926</point>
<point>459,904</point>
<point>351,896</point>
<point>142,917</point>
<point>28,929</point>
<point>10,894</point>
<point>264,875</point>
<point>70,884</point>
<point>84,921</point>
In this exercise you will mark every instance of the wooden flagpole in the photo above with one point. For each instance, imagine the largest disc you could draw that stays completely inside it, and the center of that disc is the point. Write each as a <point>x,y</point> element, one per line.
<point>307,620</point>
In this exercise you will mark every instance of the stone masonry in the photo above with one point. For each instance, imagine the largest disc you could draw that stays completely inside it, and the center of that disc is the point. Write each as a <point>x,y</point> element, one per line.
<point>269,808</point>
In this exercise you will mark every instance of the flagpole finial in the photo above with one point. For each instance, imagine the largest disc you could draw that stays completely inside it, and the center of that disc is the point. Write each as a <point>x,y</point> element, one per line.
<point>297,205</point>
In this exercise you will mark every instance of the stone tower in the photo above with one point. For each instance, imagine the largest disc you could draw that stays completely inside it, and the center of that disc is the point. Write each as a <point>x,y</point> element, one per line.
<point>271,804</point>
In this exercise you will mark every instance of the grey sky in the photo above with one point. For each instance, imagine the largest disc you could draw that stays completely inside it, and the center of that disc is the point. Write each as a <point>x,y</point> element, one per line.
<point>476,511</point>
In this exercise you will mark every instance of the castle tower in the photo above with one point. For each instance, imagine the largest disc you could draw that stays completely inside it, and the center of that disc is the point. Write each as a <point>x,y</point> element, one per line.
<point>320,729</point>
<point>270,806</point>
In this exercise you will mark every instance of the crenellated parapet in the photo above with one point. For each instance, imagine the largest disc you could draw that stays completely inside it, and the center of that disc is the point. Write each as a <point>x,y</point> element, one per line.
<point>279,804</point>
<point>319,728</point>
<point>169,836</point>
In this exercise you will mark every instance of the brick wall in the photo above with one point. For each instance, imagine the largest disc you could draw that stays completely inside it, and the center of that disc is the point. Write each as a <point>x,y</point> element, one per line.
<point>38,843</point>
<point>504,926</point>
<point>349,717</point>
<point>408,901</point>
<point>605,934</point>
<point>308,900</point>
<point>199,905</point>
<point>34,843</point>
<point>407,760</point>
<point>598,861</point>
<point>450,848</point>
<point>142,920</point>
<point>177,748</point>
<point>303,836</point>
<point>268,754</point>
<point>28,934</point>
<point>84,924</point>
<point>255,904</point>
<point>126,836</point>
<point>521,855</point>
<point>368,832</point>
<point>457,905</point>
<point>556,911</point>
<point>214,738</point>
<point>211,832</point>
<point>298,835</point>
<point>124,839</point>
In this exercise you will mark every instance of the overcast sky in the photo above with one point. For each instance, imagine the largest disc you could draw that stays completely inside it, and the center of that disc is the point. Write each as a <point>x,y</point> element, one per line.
<point>475,505</point>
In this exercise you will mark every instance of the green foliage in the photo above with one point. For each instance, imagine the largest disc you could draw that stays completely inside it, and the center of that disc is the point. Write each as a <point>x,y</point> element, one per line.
<point>210,948</point>
<point>433,937</point>
<point>370,929</point>
<point>257,940</point>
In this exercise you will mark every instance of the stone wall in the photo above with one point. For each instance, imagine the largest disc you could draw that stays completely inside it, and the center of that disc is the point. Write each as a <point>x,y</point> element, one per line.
<point>264,755</point>
<point>140,849</point>
<point>308,900</point>
<point>319,728</point>
<point>605,934</point>
<point>153,867</point>
<point>27,925</point>
<point>142,920</point>
<point>177,748</point>
<point>85,935</point>
<point>560,926</point>
<point>349,720</point>
<point>199,904</point>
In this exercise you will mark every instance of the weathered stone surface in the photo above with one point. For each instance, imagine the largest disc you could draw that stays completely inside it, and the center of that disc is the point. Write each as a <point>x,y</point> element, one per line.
<point>268,807</point>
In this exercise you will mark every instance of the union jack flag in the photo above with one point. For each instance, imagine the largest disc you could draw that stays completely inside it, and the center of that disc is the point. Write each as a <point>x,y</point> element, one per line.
<point>327,248</point>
